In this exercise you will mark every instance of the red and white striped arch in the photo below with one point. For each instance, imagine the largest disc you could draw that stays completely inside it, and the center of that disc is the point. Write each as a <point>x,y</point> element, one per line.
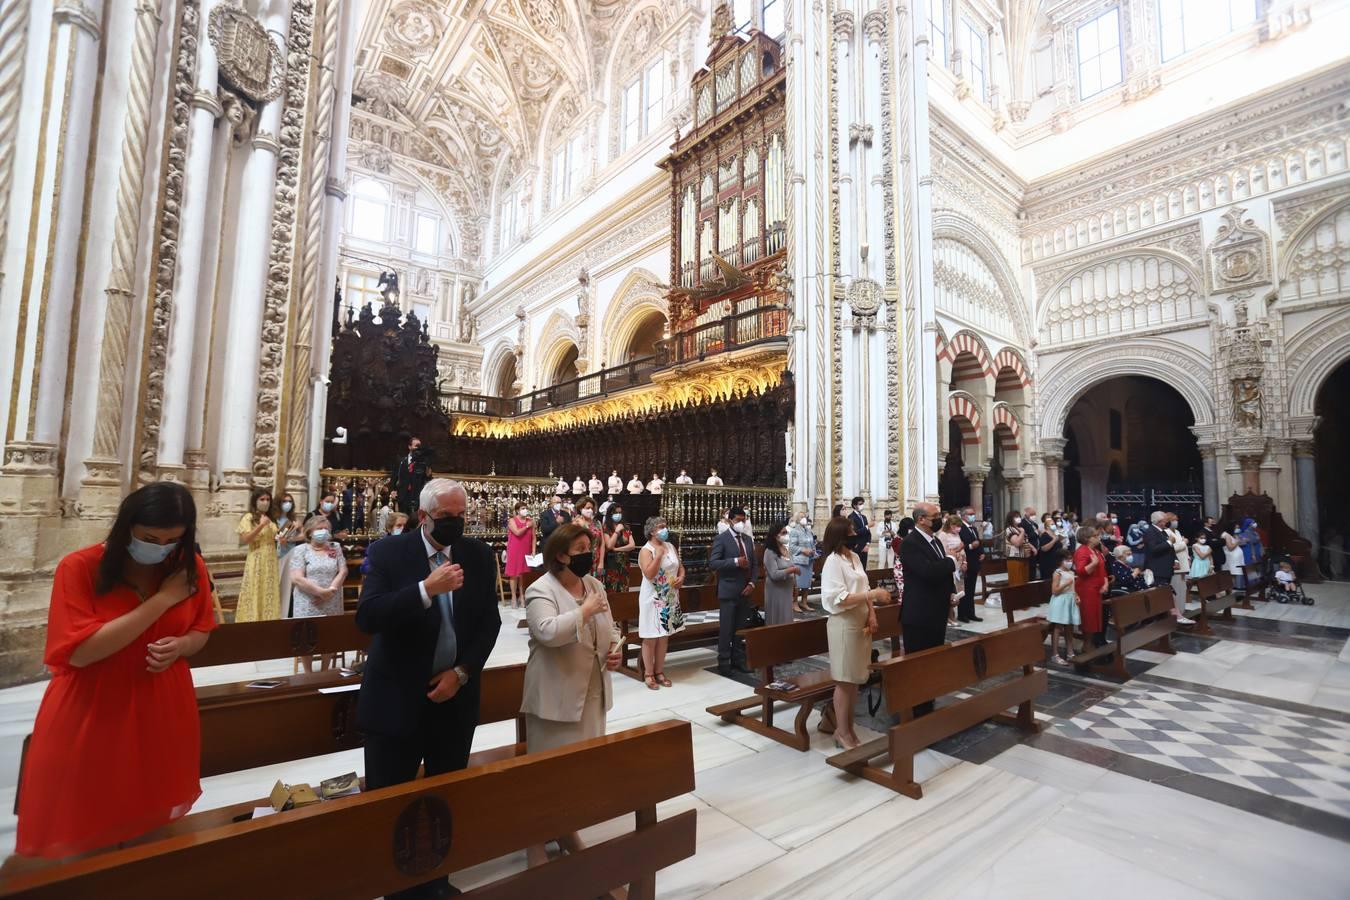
<point>969,355</point>
<point>1007,430</point>
<point>961,409</point>
<point>1010,359</point>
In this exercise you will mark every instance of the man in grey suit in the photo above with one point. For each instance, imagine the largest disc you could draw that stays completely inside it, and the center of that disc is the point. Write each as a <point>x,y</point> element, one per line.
<point>733,559</point>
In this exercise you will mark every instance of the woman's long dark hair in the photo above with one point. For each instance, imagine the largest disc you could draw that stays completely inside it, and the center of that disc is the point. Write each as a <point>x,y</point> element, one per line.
<point>836,536</point>
<point>771,539</point>
<point>610,524</point>
<point>164,504</point>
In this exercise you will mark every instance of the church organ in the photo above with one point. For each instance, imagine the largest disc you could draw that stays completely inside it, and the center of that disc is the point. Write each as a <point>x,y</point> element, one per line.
<point>729,182</point>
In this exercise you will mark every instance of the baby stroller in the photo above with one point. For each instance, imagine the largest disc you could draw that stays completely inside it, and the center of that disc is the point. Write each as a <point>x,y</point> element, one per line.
<point>1285,584</point>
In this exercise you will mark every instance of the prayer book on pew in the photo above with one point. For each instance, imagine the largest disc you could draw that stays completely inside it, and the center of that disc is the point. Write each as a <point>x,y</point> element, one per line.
<point>341,786</point>
<point>785,686</point>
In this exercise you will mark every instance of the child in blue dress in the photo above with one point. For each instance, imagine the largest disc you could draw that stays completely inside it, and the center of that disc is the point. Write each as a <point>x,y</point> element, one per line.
<point>1202,557</point>
<point>1064,614</point>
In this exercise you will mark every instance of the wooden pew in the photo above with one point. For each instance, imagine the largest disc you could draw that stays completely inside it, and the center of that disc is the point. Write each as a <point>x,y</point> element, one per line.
<point>253,731</point>
<point>1214,600</point>
<point>280,638</point>
<point>1016,597</point>
<point>989,566</point>
<point>916,678</point>
<point>263,728</point>
<point>623,606</point>
<point>369,844</point>
<point>1254,582</point>
<point>775,645</point>
<point>1142,620</point>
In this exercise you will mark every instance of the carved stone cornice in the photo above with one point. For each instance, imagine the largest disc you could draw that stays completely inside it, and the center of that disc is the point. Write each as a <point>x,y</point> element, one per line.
<point>1225,140</point>
<point>266,140</point>
<point>874,25</point>
<point>79,14</point>
<point>207,101</point>
<point>843,25</point>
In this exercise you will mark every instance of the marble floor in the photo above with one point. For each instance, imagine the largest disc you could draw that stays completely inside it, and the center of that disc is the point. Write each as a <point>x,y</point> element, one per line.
<point>1083,807</point>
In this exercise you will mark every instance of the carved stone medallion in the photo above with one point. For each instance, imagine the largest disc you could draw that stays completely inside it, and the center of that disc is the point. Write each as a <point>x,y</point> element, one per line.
<point>250,59</point>
<point>864,297</point>
<point>422,835</point>
<point>1240,254</point>
<point>415,26</point>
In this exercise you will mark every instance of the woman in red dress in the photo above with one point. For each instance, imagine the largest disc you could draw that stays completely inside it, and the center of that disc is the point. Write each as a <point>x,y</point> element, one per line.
<point>116,747</point>
<point>1089,564</point>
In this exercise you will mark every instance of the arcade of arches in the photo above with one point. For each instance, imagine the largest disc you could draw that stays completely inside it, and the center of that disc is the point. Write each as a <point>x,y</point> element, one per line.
<point>1076,255</point>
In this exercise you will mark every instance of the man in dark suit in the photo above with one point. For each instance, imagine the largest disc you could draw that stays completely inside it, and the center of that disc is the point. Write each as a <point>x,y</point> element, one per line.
<point>551,518</point>
<point>928,586</point>
<point>965,610</point>
<point>410,475</point>
<point>1159,556</point>
<point>428,599</point>
<point>862,535</point>
<point>733,559</point>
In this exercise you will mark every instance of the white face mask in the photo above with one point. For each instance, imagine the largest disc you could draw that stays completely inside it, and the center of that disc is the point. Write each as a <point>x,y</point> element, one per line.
<point>803,521</point>
<point>286,506</point>
<point>722,527</point>
<point>1067,565</point>
<point>741,528</point>
<point>588,513</point>
<point>557,507</point>
<point>1017,520</point>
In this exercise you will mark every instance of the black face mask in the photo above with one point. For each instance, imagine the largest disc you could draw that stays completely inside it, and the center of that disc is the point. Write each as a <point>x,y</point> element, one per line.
<point>581,563</point>
<point>448,530</point>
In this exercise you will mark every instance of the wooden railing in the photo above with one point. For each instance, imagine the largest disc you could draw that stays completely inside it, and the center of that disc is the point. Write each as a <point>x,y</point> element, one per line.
<point>733,332</point>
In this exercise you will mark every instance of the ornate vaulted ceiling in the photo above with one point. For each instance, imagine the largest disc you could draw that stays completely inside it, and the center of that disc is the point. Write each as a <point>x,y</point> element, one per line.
<point>461,87</point>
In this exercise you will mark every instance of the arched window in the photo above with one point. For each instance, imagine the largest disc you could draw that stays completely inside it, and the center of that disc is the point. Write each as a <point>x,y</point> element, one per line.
<point>370,210</point>
<point>642,102</point>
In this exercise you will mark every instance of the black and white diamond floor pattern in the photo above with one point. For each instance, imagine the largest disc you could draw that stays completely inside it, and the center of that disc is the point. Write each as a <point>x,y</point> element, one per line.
<point>1301,758</point>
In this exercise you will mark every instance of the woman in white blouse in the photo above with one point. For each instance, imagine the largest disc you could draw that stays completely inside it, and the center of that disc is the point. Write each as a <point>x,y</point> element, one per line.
<point>853,620</point>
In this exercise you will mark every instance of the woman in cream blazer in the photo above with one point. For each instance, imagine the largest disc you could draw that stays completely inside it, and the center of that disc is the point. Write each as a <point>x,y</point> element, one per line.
<point>573,647</point>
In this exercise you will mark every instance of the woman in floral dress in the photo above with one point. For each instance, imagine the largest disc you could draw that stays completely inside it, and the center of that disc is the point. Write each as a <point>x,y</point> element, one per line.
<point>659,613</point>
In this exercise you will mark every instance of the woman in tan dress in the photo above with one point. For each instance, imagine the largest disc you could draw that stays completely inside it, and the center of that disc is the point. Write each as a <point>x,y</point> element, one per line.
<point>260,590</point>
<point>573,648</point>
<point>845,594</point>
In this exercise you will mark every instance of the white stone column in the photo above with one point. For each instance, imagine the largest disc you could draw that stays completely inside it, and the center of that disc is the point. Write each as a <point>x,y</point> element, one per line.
<point>1053,449</point>
<point>189,297</point>
<point>31,453</point>
<point>13,47</point>
<point>336,195</point>
<point>232,121</point>
<point>921,235</point>
<point>1305,469</point>
<point>976,477</point>
<point>1210,477</point>
<point>101,487</point>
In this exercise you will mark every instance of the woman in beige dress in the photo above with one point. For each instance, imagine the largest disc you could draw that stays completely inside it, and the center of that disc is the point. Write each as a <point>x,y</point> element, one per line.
<point>573,648</point>
<point>845,594</point>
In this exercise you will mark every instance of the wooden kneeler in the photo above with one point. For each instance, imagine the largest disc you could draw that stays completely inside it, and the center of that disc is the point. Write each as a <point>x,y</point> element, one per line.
<point>929,674</point>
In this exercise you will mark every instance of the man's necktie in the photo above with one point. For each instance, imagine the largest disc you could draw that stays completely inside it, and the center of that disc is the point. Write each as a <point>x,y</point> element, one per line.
<point>446,646</point>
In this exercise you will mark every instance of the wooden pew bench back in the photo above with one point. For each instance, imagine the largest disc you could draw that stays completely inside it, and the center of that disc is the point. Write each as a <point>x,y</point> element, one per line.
<point>241,642</point>
<point>916,678</point>
<point>394,838</point>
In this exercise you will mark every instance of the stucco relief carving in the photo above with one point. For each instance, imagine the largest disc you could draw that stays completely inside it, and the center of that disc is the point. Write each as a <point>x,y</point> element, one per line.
<point>1239,257</point>
<point>1234,155</point>
<point>1118,296</point>
<point>415,27</point>
<point>1319,264</point>
<point>249,57</point>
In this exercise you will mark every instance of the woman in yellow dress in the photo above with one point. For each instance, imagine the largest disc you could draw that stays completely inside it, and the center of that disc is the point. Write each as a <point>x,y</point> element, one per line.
<point>259,593</point>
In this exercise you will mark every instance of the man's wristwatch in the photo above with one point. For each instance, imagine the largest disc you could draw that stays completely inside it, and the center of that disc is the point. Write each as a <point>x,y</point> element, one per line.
<point>463,674</point>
